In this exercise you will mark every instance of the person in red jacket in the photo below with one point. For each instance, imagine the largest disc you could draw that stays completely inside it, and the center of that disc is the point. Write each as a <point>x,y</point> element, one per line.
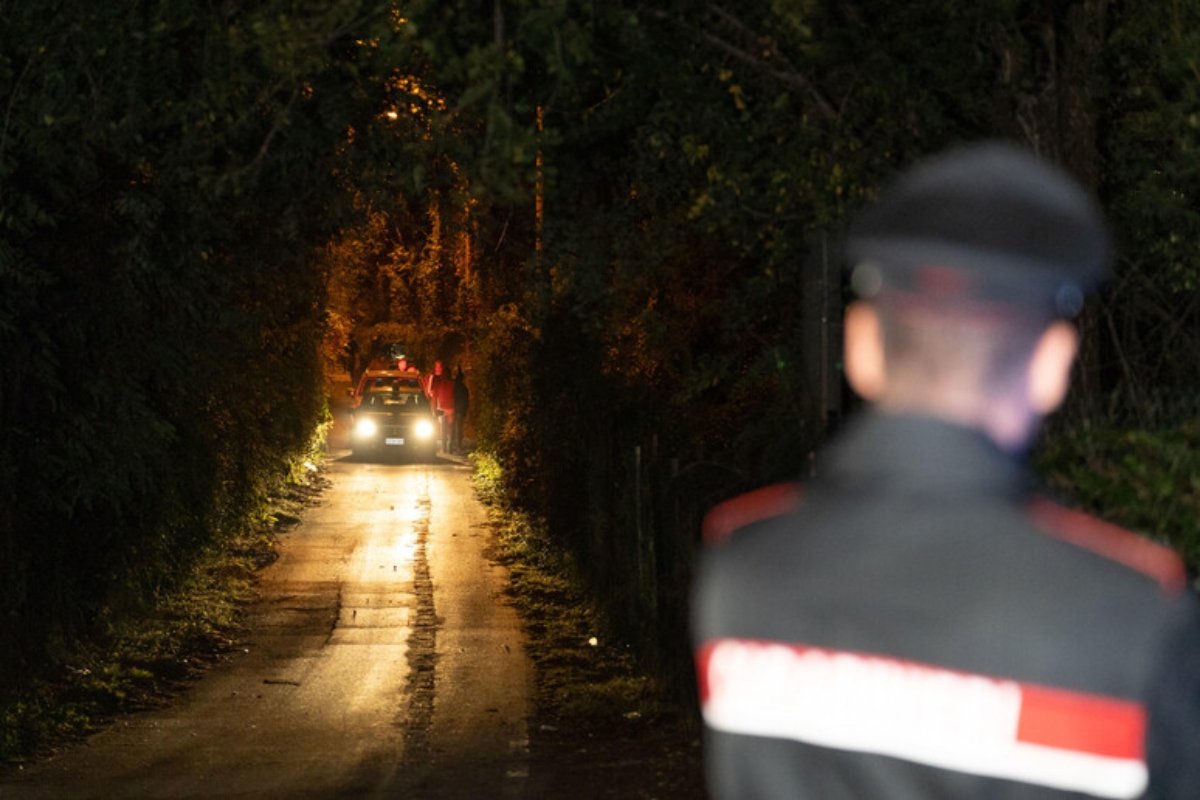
<point>914,623</point>
<point>440,388</point>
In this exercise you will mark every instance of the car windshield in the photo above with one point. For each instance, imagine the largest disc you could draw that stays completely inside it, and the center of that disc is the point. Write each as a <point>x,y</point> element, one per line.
<point>389,399</point>
<point>392,382</point>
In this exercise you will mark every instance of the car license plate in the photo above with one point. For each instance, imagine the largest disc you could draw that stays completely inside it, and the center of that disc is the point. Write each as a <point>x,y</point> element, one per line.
<point>393,440</point>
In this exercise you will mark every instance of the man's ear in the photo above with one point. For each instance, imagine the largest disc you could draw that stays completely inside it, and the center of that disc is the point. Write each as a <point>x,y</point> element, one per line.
<point>1050,367</point>
<point>863,351</point>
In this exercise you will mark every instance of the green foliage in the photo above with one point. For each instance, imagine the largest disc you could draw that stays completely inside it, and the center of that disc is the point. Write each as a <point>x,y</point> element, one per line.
<point>665,333</point>
<point>166,172</point>
<point>487,476</point>
<point>585,672</point>
<point>1145,480</point>
<point>1151,141</point>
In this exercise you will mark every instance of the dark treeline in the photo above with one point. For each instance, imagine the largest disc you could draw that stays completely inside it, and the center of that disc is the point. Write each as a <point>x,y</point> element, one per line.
<point>669,326</point>
<point>167,173</point>
<point>620,219</point>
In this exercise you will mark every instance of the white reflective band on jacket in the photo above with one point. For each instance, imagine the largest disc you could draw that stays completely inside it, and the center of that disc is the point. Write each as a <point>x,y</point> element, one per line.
<point>925,714</point>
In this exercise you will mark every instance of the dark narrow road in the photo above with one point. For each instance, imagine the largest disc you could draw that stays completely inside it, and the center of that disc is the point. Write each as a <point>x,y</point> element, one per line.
<point>383,662</point>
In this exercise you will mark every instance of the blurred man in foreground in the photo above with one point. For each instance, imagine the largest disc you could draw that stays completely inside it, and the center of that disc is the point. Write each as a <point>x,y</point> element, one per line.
<point>914,624</point>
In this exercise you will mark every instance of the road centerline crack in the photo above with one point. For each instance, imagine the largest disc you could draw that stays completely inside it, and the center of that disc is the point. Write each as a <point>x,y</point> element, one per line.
<point>422,644</point>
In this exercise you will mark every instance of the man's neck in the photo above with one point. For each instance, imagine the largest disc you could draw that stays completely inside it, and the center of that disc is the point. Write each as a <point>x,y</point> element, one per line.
<point>1009,424</point>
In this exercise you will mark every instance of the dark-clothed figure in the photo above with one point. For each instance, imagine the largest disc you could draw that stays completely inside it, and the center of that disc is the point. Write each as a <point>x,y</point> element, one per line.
<point>462,402</point>
<point>914,623</point>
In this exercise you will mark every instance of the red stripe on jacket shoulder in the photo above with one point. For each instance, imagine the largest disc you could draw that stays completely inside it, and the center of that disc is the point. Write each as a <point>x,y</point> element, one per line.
<point>770,501</point>
<point>1112,542</point>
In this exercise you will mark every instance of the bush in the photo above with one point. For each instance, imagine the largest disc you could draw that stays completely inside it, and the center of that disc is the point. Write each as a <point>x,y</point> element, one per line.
<point>1145,480</point>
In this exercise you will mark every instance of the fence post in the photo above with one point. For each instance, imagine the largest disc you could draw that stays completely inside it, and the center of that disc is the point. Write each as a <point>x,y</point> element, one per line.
<point>637,522</point>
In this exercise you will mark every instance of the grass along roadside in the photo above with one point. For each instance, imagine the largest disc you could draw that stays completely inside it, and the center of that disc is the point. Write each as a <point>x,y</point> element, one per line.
<point>144,660</point>
<point>601,727</point>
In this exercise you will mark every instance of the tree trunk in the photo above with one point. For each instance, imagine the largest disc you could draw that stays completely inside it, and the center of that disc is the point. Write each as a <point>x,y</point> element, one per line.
<point>1057,114</point>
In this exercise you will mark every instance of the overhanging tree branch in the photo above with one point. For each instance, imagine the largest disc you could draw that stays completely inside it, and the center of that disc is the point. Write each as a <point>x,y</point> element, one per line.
<point>790,77</point>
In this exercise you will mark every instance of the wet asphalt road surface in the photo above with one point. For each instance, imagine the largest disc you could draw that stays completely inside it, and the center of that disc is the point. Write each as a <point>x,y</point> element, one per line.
<point>382,662</point>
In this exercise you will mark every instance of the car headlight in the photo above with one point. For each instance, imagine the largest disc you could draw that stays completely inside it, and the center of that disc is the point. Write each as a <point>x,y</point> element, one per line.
<point>424,429</point>
<point>365,428</point>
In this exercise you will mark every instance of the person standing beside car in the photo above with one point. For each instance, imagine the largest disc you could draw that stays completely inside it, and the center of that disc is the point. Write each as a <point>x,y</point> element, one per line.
<point>914,623</point>
<point>440,388</point>
<point>462,402</point>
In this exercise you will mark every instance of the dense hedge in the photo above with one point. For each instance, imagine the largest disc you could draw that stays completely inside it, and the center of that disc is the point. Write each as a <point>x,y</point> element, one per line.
<point>1146,479</point>
<point>167,170</point>
<point>668,328</point>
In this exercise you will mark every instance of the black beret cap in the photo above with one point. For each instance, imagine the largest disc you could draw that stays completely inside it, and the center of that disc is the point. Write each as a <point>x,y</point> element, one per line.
<point>989,222</point>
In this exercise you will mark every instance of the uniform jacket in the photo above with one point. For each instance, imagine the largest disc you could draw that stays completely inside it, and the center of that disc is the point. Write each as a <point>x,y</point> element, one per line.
<point>915,624</point>
<point>441,391</point>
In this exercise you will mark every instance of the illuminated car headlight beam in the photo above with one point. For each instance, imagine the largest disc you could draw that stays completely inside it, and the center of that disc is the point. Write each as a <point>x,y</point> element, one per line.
<point>365,427</point>
<point>424,429</point>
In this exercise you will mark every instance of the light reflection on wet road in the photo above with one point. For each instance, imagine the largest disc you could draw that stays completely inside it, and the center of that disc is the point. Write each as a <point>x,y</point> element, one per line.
<point>383,663</point>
